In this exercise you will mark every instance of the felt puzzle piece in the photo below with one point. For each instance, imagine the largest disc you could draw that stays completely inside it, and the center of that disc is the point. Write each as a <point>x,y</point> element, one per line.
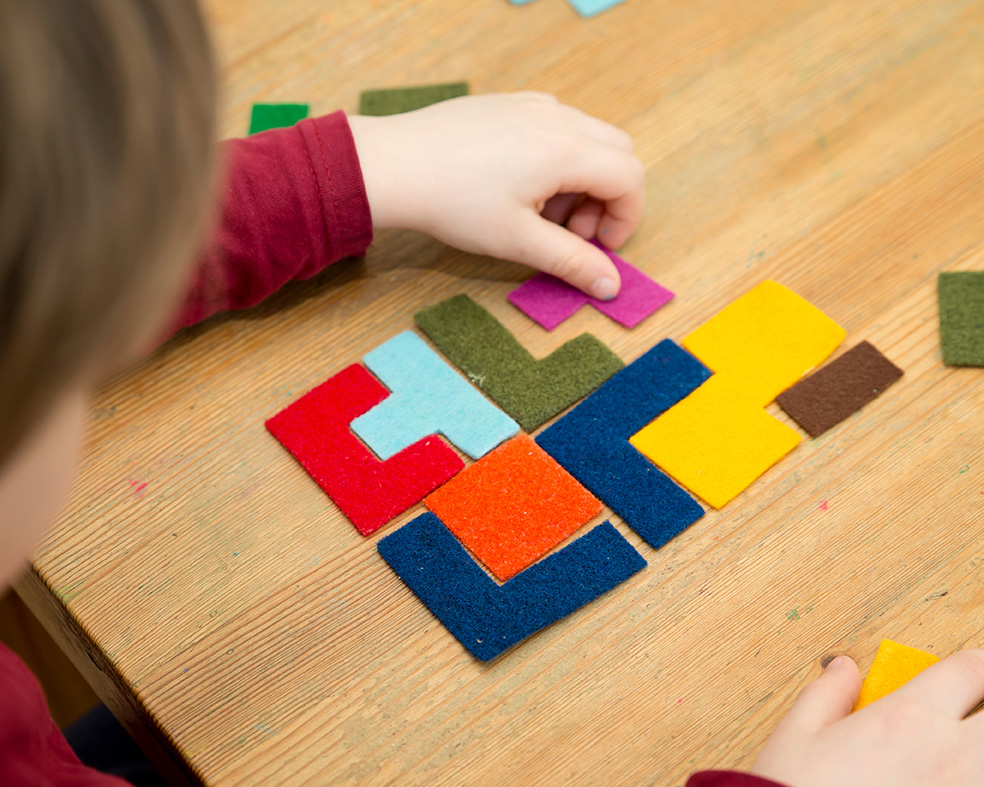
<point>894,666</point>
<point>714,444</point>
<point>397,100</point>
<point>764,342</point>
<point>532,391</point>
<point>549,300</point>
<point>315,429</point>
<point>513,506</point>
<point>961,300</point>
<point>592,442</point>
<point>488,618</point>
<point>266,116</point>
<point>838,390</point>
<point>427,397</point>
<point>589,8</point>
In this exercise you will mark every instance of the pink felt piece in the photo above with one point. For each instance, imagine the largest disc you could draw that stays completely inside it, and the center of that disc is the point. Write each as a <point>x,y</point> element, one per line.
<point>550,301</point>
<point>315,429</point>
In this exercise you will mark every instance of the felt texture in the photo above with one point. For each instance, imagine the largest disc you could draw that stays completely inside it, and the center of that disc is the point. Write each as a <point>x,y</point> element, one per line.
<point>532,391</point>
<point>894,666</point>
<point>394,101</point>
<point>488,618</point>
<point>369,492</point>
<point>427,397</point>
<point>715,444</point>
<point>513,506</point>
<point>838,390</point>
<point>266,116</point>
<point>766,340</point>
<point>592,442</point>
<point>549,300</point>
<point>961,300</point>
<point>589,8</point>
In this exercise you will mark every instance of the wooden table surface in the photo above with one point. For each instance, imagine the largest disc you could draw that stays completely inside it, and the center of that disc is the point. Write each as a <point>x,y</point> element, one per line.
<point>224,608</point>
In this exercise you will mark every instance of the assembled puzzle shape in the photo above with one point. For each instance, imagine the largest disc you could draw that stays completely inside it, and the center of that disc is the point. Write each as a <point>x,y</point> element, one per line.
<point>828,396</point>
<point>715,444</point>
<point>267,116</point>
<point>315,429</point>
<point>513,506</point>
<point>428,397</point>
<point>763,342</point>
<point>488,618</point>
<point>532,391</point>
<point>592,442</point>
<point>961,300</point>
<point>549,300</point>
<point>894,666</point>
<point>397,100</point>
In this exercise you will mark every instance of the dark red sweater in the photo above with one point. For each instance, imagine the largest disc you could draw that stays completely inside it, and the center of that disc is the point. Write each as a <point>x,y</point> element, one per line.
<point>292,204</point>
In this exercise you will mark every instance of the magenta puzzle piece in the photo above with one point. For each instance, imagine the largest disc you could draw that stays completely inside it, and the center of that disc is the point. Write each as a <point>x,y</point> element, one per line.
<point>550,301</point>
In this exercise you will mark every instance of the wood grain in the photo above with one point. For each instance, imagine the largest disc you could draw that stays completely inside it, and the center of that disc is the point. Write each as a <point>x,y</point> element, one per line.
<point>835,146</point>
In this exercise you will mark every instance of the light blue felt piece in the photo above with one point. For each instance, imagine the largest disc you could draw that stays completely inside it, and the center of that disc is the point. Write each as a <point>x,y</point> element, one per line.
<point>588,8</point>
<point>428,397</point>
<point>520,2</point>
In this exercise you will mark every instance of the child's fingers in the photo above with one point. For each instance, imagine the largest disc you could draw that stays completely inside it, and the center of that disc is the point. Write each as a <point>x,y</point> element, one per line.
<point>585,218</point>
<point>954,687</point>
<point>556,250</point>
<point>829,698</point>
<point>615,178</point>
<point>559,207</point>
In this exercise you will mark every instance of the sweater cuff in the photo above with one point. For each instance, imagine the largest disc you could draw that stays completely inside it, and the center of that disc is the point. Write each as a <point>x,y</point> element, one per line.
<point>729,779</point>
<point>337,175</point>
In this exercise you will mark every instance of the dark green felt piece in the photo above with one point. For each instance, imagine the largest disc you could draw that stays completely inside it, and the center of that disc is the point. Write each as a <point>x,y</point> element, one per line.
<point>962,317</point>
<point>267,116</point>
<point>393,101</point>
<point>532,391</point>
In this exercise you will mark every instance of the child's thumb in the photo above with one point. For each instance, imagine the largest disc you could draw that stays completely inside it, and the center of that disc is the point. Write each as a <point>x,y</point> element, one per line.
<point>829,698</point>
<point>558,251</point>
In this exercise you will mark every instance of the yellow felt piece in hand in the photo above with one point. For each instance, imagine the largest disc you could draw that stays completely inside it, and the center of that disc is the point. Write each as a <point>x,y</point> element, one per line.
<point>714,443</point>
<point>894,665</point>
<point>765,341</point>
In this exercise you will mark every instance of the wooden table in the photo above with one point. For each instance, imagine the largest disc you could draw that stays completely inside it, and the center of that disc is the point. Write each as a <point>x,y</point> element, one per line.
<point>224,608</point>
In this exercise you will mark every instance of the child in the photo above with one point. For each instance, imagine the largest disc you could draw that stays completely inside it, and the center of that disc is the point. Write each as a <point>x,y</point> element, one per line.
<point>106,169</point>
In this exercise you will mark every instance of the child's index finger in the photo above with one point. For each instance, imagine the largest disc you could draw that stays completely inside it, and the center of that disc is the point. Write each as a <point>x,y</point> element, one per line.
<point>952,688</point>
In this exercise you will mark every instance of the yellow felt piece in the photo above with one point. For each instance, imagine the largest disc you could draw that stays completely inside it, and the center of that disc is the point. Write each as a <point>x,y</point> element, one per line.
<point>894,665</point>
<point>765,341</point>
<point>714,443</point>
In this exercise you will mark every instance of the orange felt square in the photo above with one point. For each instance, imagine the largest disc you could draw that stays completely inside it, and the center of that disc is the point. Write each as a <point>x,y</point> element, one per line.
<point>513,506</point>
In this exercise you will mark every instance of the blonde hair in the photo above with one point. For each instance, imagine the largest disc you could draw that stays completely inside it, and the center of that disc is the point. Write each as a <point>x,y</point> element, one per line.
<point>107,125</point>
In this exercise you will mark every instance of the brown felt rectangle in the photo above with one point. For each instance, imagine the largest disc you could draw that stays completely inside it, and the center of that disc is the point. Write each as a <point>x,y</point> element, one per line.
<point>825,398</point>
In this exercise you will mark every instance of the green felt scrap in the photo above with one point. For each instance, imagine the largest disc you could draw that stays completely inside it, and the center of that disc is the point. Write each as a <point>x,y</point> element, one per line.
<point>532,391</point>
<point>266,116</point>
<point>393,101</point>
<point>961,297</point>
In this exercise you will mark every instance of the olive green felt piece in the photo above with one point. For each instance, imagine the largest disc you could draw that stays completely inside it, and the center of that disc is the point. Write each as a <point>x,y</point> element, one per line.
<point>961,296</point>
<point>532,391</point>
<point>267,116</point>
<point>394,101</point>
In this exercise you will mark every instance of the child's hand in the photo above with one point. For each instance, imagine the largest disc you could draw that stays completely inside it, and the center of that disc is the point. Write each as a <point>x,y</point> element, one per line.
<point>498,174</point>
<point>915,737</point>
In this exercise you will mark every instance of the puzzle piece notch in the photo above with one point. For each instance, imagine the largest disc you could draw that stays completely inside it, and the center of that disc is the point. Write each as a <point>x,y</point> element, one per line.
<point>550,301</point>
<point>315,430</point>
<point>397,100</point>
<point>839,389</point>
<point>513,506</point>
<point>591,442</point>
<point>487,618</point>
<point>427,397</point>
<point>714,443</point>
<point>961,303</point>
<point>893,667</point>
<point>532,391</point>
<point>267,116</point>
<point>764,342</point>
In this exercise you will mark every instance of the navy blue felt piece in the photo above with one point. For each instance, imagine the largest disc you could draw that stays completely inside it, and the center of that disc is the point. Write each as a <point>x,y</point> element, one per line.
<point>488,618</point>
<point>592,442</point>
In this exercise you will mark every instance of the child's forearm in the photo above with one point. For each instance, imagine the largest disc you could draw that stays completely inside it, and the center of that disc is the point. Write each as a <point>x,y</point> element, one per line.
<point>292,203</point>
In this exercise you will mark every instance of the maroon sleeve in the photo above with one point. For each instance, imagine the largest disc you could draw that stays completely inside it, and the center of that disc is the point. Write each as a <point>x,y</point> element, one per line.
<point>729,779</point>
<point>292,203</point>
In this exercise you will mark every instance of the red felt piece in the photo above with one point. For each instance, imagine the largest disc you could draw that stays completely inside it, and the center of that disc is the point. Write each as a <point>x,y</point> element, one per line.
<point>315,429</point>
